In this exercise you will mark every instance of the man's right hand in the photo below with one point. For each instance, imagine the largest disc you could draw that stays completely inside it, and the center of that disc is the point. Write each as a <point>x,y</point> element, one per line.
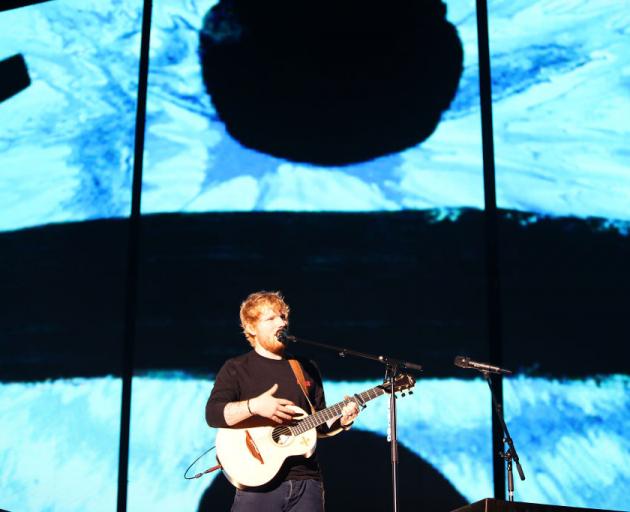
<point>268,406</point>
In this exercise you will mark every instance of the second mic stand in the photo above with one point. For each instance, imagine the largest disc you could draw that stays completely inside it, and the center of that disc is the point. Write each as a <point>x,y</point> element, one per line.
<point>394,368</point>
<point>510,454</point>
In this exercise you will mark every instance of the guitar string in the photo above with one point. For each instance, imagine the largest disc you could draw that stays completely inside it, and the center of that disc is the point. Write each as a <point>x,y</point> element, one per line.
<point>329,413</point>
<point>282,431</point>
<point>333,411</point>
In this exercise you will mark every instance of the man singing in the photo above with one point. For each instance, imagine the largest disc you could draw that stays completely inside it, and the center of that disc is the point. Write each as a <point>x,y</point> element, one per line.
<point>263,383</point>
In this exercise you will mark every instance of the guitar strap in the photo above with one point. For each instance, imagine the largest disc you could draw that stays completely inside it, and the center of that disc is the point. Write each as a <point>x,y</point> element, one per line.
<point>299,376</point>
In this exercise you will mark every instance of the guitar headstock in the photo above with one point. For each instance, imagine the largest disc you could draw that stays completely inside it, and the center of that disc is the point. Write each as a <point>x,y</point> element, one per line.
<point>402,382</point>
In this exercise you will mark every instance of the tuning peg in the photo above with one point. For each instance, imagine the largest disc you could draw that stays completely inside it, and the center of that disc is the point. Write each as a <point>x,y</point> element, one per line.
<point>402,394</point>
<point>411,392</point>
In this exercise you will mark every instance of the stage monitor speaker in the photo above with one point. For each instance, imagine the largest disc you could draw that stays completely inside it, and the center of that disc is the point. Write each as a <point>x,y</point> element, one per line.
<point>492,505</point>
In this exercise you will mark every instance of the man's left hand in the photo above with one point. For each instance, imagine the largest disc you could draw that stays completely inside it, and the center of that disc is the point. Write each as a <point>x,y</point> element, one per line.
<point>349,412</point>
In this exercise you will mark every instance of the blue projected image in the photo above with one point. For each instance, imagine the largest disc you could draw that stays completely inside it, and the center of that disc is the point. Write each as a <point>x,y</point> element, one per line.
<point>561,105</point>
<point>571,436</point>
<point>66,145</point>
<point>559,118</point>
<point>193,165</point>
<point>190,163</point>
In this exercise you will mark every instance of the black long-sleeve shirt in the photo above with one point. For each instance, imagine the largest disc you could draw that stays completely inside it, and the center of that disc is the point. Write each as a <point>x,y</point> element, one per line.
<point>250,375</point>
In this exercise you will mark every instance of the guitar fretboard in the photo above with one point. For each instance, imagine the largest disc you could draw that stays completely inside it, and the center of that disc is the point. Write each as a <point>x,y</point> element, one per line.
<point>334,411</point>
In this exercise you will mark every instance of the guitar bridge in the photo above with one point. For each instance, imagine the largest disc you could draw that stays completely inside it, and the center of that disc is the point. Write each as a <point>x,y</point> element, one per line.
<point>253,449</point>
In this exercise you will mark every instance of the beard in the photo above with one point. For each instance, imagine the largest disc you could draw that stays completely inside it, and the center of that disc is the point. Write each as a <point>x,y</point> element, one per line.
<point>272,345</point>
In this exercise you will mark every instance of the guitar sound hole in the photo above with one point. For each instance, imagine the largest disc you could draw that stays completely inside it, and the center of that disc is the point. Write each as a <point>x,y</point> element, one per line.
<point>281,435</point>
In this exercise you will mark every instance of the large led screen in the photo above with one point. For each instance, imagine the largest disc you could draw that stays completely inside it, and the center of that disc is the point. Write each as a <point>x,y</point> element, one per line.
<point>66,141</point>
<point>340,163</point>
<point>559,114</point>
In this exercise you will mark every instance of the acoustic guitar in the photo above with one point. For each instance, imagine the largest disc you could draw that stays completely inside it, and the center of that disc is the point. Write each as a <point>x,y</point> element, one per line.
<point>252,452</point>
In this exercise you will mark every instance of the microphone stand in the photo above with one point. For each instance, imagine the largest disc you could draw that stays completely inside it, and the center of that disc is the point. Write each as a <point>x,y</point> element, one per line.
<point>510,454</point>
<point>393,368</point>
<point>390,373</point>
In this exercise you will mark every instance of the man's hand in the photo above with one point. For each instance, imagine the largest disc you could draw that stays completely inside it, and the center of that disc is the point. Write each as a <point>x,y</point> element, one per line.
<point>349,412</point>
<point>270,407</point>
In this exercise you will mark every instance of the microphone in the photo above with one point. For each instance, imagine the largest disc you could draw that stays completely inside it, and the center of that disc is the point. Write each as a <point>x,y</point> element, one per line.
<point>466,362</point>
<point>284,337</point>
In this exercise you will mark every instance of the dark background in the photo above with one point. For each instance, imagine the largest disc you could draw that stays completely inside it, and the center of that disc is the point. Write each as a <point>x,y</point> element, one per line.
<point>401,284</point>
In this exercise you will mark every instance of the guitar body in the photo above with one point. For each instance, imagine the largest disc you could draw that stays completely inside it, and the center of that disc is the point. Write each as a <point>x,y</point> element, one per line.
<point>252,452</point>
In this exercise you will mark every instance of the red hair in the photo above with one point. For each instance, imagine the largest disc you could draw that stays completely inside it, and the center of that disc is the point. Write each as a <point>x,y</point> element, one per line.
<point>252,306</point>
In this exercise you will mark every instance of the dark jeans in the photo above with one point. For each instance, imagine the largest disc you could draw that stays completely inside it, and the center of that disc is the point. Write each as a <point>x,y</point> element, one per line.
<point>289,496</point>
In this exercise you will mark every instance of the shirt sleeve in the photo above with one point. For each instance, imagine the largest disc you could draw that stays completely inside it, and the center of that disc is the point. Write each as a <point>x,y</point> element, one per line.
<point>225,390</point>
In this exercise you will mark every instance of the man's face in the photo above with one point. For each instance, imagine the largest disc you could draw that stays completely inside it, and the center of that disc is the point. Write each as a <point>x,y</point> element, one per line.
<point>264,330</point>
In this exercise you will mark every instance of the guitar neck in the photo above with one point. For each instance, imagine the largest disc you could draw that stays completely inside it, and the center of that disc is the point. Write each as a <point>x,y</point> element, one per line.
<point>334,411</point>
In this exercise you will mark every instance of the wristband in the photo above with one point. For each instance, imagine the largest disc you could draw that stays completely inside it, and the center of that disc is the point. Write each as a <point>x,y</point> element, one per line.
<point>250,411</point>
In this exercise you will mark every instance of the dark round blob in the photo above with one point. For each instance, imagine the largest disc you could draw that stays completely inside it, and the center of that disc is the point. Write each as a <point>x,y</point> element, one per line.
<point>331,82</point>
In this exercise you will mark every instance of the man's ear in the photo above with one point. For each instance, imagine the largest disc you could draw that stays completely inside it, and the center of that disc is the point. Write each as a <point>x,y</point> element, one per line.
<point>249,329</point>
